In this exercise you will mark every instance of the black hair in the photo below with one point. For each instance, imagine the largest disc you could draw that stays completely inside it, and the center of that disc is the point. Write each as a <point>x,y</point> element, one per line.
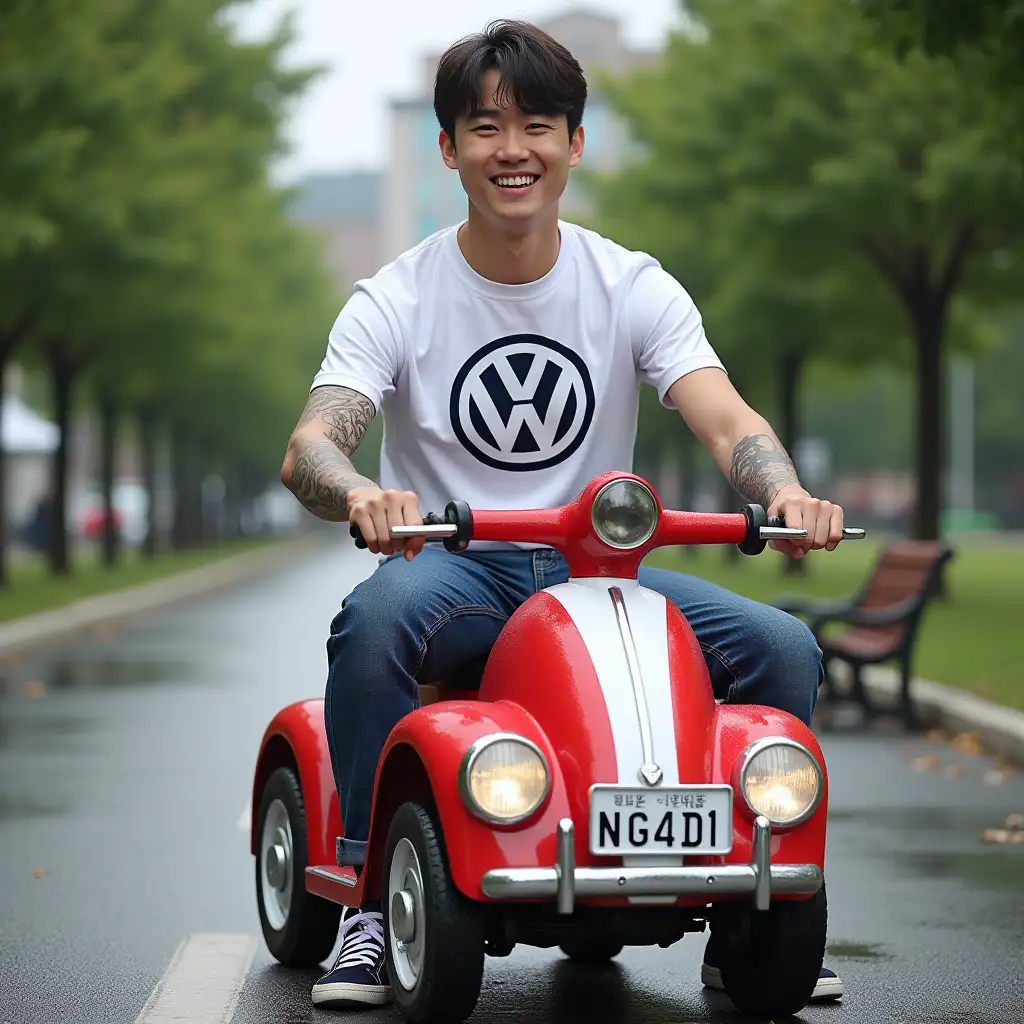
<point>537,74</point>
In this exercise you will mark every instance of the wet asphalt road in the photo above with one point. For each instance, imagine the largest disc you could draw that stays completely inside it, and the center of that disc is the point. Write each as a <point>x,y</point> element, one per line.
<point>125,764</point>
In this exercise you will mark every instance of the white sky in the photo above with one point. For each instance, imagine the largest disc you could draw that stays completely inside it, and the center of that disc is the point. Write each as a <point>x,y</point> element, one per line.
<point>373,50</point>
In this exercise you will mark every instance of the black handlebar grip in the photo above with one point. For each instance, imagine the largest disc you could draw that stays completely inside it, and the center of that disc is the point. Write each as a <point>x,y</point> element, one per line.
<point>430,519</point>
<point>753,544</point>
<point>459,514</point>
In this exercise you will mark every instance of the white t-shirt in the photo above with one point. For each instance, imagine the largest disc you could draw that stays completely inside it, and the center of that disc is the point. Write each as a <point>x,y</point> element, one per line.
<point>512,396</point>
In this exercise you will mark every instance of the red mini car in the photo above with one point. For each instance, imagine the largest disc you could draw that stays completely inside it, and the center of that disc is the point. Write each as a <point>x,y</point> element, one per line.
<point>591,794</point>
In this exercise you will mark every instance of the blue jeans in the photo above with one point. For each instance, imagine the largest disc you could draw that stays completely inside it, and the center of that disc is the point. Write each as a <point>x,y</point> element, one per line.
<point>421,620</point>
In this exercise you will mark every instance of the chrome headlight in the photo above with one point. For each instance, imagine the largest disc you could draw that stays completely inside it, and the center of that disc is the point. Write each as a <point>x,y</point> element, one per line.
<point>781,780</point>
<point>624,514</point>
<point>504,778</point>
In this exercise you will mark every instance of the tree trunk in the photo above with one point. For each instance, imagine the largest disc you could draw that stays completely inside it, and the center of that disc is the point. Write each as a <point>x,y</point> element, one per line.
<point>6,348</point>
<point>790,373</point>
<point>62,374</point>
<point>929,317</point>
<point>179,472</point>
<point>108,452</point>
<point>926,297</point>
<point>147,446</point>
<point>187,531</point>
<point>197,462</point>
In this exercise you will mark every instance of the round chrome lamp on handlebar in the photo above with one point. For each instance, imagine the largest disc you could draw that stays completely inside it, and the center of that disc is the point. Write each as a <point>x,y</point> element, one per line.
<point>624,514</point>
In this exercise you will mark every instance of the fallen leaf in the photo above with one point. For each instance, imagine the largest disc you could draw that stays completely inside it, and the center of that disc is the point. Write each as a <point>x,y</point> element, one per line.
<point>1014,821</point>
<point>105,632</point>
<point>928,763</point>
<point>967,743</point>
<point>954,771</point>
<point>34,689</point>
<point>39,873</point>
<point>995,835</point>
<point>994,777</point>
<point>936,735</point>
<point>1017,838</point>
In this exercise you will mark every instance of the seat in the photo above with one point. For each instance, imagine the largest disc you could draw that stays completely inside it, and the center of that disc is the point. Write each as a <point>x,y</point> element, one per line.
<point>461,684</point>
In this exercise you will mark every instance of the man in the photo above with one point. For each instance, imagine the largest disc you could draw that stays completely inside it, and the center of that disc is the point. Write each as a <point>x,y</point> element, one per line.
<point>508,353</point>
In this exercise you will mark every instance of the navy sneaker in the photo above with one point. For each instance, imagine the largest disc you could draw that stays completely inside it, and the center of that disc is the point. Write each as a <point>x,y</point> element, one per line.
<point>359,976</point>
<point>829,987</point>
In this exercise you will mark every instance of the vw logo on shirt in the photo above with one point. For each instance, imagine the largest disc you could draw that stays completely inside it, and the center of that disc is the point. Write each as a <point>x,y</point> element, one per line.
<point>522,402</point>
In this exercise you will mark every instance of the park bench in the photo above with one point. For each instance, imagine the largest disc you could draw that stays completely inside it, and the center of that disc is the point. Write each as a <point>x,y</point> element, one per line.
<point>882,619</point>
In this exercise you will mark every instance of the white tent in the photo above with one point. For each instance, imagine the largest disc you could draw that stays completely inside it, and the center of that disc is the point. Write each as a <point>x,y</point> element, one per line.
<point>25,432</point>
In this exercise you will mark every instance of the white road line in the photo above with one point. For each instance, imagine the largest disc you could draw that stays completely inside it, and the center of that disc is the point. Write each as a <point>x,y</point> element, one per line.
<point>202,982</point>
<point>245,818</point>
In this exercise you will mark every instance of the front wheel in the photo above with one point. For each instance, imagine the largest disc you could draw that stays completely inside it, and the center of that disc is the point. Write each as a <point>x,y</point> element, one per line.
<point>434,935</point>
<point>300,929</point>
<point>771,959</point>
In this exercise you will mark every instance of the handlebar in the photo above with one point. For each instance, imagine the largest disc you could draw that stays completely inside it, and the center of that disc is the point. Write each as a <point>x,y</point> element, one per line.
<point>436,527</point>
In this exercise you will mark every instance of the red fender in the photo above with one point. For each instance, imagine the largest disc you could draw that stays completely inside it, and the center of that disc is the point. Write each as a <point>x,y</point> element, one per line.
<point>296,737</point>
<point>435,739</point>
<point>735,727</point>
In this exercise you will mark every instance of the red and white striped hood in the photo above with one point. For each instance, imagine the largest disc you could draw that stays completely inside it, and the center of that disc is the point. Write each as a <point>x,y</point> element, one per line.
<point>615,678</point>
<point>623,627</point>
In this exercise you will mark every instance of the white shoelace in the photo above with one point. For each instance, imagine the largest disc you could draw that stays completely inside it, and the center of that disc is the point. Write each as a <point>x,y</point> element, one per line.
<point>362,940</point>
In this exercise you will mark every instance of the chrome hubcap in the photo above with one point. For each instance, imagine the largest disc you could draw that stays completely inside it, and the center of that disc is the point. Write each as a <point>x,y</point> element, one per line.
<point>277,862</point>
<point>403,916</point>
<point>405,912</point>
<point>276,865</point>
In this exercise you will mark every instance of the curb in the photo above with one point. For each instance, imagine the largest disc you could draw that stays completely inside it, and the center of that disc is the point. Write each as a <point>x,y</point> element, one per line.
<point>70,620</point>
<point>999,729</point>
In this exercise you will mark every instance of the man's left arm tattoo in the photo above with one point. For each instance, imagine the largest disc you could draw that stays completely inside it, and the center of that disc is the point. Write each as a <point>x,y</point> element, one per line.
<point>760,468</point>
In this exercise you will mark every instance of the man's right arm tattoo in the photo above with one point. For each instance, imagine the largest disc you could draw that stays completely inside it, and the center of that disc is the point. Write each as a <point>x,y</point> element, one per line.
<point>322,474</point>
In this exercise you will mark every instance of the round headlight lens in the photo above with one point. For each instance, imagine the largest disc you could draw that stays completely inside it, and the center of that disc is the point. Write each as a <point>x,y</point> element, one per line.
<point>624,514</point>
<point>782,782</point>
<point>506,780</point>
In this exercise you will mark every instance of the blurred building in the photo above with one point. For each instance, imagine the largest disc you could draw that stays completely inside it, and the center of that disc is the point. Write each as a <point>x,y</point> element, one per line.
<point>345,209</point>
<point>422,195</point>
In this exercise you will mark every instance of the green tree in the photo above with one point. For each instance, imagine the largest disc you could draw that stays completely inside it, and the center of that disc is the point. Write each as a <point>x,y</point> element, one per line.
<point>985,36</point>
<point>54,106</point>
<point>820,187</point>
<point>159,220</point>
<point>721,218</point>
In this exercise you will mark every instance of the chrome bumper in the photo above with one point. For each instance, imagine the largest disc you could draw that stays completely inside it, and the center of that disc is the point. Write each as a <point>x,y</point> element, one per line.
<point>564,881</point>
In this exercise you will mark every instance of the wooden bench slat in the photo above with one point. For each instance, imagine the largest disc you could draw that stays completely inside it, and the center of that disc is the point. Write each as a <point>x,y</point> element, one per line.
<point>868,641</point>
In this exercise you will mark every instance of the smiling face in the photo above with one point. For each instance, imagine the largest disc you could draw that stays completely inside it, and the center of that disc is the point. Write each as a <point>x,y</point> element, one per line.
<point>514,166</point>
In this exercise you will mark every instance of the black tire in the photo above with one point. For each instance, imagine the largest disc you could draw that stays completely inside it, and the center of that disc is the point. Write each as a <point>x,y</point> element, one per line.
<point>595,949</point>
<point>771,959</point>
<point>310,928</point>
<point>447,987</point>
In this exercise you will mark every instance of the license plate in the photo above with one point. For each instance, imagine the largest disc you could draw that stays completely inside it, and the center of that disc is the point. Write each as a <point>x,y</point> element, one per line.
<point>676,819</point>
